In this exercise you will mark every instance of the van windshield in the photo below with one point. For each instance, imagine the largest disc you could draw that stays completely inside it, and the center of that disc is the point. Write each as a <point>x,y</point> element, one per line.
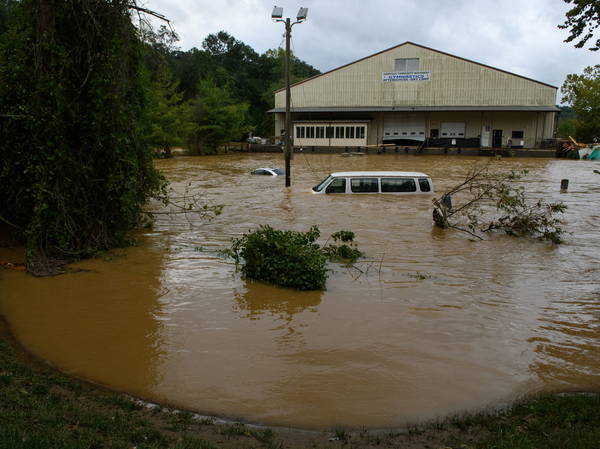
<point>322,184</point>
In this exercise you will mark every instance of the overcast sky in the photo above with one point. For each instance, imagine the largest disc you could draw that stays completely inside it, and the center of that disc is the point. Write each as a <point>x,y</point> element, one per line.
<point>520,36</point>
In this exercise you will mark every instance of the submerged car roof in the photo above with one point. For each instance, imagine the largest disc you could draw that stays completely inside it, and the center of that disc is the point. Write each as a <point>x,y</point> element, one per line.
<point>381,173</point>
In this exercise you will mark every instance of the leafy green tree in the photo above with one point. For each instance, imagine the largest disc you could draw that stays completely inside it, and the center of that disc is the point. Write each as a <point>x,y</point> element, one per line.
<point>582,93</point>
<point>247,79</point>
<point>567,128</point>
<point>6,9</point>
<point>274,62</point>
<point>218,117</point>
<point>75,167</point>
<point>189,67</point>
<point>566,122</point>
<point>170,117</point>
<point>251,78</point>
<point>582,20</point>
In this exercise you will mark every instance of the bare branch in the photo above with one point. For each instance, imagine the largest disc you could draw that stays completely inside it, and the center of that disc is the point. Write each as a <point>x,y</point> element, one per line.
<point>149,12</point>
<point>490,201</point>
<point>9,223</point>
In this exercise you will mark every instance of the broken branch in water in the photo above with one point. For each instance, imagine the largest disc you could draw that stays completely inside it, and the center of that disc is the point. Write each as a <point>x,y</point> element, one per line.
<point>493,200</point>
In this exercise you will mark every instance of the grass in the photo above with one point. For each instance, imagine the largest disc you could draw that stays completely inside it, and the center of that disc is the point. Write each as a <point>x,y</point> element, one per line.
<point>42,408</point>
<point>551,421</point>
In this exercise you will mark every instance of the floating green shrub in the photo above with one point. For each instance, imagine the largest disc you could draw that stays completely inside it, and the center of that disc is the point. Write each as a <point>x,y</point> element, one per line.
<point>346,252</point>
<point>289,258</point>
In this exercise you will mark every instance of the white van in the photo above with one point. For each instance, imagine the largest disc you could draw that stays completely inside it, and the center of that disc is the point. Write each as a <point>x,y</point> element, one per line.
<point>389,182</point>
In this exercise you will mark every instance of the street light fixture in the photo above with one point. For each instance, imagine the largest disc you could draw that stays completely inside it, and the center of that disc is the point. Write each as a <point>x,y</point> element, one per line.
<point>302,13</point>
<point>277,13</point>
<point>277,16</point>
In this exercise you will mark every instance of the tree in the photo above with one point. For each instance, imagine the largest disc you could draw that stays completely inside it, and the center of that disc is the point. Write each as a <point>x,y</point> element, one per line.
<point>170,117</point>
<point>75,167</point>
<point>218,117</point>
<point>273,62</point>
<point>250,78</point>
<point>566,125</point>
<point>582,93</point>
<point>6,10</point>
<point>581,21</point>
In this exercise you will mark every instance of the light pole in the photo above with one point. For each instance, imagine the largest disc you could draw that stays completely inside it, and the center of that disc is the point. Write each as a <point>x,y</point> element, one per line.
<point>277,15</point>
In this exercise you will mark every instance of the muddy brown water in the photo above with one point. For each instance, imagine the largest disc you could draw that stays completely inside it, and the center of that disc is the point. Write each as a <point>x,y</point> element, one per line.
<point>436,324</point>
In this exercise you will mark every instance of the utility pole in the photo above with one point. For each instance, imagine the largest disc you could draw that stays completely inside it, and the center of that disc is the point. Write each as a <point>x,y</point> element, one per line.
<point>277,15</point>
<point>288,112</point>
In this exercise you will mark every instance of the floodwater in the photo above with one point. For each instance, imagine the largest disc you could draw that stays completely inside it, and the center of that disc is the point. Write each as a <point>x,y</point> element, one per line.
<point>434,324</point>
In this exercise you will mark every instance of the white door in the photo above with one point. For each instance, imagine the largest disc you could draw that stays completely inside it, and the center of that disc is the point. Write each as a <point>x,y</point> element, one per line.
<point>485,136</point>
<point>453,130</point>
<point>404,126</point>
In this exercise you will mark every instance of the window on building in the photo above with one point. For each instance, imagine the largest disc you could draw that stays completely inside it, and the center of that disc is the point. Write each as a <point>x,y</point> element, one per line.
<point>517,134</point>
<point>299,132</point>
<point>320,132</point>
<point>406,65</point>
<point>310,132</point>
<point>360,132</point>
<point>329,132</point>
<point>364,185</point>
<point>349,132</point>
<point>398,185</point>
<point>339,132</point>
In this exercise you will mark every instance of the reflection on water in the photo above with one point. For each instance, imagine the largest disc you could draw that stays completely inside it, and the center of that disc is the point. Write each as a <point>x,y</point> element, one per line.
<point>434,323</point>
<point>258,298</point>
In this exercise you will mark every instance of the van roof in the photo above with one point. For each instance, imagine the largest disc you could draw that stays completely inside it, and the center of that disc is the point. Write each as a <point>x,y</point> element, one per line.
<point>380,173</point>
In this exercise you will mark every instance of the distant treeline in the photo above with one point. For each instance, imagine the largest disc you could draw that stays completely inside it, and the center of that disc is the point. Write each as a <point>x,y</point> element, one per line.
<point>225,72</point>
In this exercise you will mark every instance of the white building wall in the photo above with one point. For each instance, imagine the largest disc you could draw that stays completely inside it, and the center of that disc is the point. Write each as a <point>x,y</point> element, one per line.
<point>453,82</point>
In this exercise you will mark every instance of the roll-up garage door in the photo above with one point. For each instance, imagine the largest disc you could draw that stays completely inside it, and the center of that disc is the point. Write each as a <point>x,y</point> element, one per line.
<point>453,129</point>
<point>400,126</point>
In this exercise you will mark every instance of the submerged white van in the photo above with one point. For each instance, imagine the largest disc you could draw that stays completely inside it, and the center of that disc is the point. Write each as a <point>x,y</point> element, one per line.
<point>393,182</point>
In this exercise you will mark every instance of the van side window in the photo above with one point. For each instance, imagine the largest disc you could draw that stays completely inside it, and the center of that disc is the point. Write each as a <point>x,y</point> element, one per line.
<point>424,185</point>
<point>338,185</point>
<point>364,185</point>
<point>398,185</point>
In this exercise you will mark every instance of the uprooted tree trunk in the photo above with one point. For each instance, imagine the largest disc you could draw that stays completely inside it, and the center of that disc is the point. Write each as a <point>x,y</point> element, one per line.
<point>489,200</point>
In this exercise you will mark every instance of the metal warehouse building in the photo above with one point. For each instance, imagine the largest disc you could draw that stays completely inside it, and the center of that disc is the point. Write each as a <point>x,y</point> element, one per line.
<point>414,95</point>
